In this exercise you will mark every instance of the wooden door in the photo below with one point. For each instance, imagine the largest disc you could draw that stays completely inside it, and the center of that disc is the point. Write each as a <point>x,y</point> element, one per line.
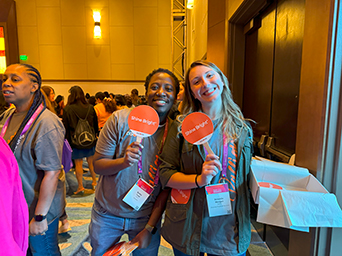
<point>272,76</point>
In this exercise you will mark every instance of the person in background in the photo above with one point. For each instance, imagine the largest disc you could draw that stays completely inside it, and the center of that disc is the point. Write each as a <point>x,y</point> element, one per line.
<point>77,108</point>
<point>14,219</point>
<point>106,94</point>
<point>135,97</point>
<point>60,105</point>
<point>143,100</point>
<point>180,97</point>
<point>112,96</point>
<point>65,226</point>
<point>120,101</point>
<point>87,96</point>
<point>35,136</point>
<point>104,108</point>
<point>117,161</point>
<point>189,170</point>
<point>92,100</point>
<point>128,100</point>
<point>3,104</point>
<point>50,93</point>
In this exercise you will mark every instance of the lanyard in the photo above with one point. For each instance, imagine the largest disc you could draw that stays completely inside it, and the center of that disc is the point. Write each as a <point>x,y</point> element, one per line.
<point>27,126</point>
<point>156,178</point>
<point>225,157</point>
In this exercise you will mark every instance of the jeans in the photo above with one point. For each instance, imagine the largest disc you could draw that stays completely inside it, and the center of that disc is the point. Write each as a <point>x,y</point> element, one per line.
<point>106,230</point>
<point>45,245</point>
<point>179,253</point>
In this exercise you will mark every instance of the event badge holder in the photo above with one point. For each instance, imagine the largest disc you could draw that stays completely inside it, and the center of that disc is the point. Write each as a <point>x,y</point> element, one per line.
<point>143,122</point>
<point>197,128</point>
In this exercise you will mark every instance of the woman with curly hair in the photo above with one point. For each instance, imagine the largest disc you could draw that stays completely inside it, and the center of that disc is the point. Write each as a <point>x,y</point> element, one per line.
<point>104,108</point>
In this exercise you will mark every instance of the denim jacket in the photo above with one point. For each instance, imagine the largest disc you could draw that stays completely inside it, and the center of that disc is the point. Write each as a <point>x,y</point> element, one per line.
<point>183,222</point>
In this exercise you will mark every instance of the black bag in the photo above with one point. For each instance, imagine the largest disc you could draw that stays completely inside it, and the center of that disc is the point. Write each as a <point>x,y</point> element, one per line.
<point>84,136</point>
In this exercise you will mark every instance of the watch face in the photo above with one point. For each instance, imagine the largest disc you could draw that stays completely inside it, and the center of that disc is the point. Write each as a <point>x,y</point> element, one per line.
<point>154,230</point>
<point>151,229</point>
<point>39,217</point>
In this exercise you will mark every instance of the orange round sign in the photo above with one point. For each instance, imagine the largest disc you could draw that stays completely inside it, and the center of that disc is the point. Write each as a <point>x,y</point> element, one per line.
<point>180,196</point>
<point>121,249</point>
<point>197,128</point>
<point>269,185</point>
<point>143,121</point>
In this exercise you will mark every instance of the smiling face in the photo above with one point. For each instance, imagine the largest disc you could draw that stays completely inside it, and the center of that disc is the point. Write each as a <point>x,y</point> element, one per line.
<point>161,94</point>
<point>17,86</point>
<point>206,85</point>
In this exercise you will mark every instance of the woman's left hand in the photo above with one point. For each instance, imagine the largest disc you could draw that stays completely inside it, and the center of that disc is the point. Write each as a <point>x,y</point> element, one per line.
<point>210,168</point>
<point>38,228</point>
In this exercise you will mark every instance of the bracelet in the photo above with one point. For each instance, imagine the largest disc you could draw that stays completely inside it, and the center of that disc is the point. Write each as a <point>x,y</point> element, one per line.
<point>196,181</point>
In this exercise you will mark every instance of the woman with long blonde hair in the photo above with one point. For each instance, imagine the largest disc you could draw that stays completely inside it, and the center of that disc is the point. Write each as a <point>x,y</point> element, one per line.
<point>190,226</point>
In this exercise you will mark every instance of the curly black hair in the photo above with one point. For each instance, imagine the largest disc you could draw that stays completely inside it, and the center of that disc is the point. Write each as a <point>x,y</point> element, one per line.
<point>162,70</point>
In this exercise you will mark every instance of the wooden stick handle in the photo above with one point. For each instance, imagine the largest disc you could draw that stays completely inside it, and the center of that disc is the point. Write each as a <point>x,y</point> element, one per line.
<point>207,147</point>
<point>139,139</point>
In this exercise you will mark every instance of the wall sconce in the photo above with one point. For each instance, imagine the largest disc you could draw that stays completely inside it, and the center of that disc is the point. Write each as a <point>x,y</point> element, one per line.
<point>97,28</point>
<point>190,4</point>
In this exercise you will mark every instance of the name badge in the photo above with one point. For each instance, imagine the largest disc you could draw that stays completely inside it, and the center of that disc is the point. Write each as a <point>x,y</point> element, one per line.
<point>218,200</point>
<point>138,194</point>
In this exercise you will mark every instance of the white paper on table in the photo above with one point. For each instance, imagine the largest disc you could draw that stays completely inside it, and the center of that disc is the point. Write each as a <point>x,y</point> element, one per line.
<point>302,203</point>
<point>298,210</point>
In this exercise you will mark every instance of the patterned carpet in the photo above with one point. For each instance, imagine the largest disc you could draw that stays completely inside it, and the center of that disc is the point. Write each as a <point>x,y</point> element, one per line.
<point>76,242</point>
<point>78,209</point>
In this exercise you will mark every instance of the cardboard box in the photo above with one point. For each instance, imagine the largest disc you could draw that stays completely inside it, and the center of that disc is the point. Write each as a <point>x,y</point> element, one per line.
<point>291,197</point>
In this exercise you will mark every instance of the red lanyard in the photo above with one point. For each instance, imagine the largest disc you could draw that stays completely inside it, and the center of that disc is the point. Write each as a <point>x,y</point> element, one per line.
<point>156,178</point>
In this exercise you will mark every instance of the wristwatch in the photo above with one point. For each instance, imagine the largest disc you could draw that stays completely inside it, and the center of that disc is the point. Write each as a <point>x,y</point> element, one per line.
<point>39,217</point>
<point>151,229</point>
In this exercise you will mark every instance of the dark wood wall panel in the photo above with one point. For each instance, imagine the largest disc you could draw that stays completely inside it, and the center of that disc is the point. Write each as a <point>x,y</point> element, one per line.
<point>287,68</point>
<point>258,74</point>
<point>272,73</point>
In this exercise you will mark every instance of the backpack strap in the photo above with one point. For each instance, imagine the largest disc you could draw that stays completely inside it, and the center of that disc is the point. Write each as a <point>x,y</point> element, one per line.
<point>78,116</point>
<point>87,113</point>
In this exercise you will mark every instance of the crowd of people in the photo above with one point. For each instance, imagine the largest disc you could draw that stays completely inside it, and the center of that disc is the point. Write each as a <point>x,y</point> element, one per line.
<point>35,128</point>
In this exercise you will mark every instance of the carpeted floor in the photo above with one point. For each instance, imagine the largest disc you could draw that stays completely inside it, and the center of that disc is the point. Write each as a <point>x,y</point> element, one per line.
<point>76,242</point>
<point>78,209</point>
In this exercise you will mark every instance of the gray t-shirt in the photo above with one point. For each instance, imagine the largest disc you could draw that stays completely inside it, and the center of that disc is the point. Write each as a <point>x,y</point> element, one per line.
<point>219,234</point>
<point>114,138</point>
<point>40,150</point>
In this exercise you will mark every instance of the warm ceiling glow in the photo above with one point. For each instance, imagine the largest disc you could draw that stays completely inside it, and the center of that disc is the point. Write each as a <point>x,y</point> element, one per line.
<point>190,4</point>
<point>97,16</point>
<point>97,28</point>
<point>2,51</point>
<point>97,32</point>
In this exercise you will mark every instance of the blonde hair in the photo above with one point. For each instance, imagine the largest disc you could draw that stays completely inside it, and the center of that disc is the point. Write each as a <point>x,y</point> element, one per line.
<point>48,102</point>
<point>232,119</point>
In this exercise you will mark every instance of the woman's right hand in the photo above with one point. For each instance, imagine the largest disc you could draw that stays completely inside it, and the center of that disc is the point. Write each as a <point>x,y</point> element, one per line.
<point>133,153</point>
<point>210,168</point>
